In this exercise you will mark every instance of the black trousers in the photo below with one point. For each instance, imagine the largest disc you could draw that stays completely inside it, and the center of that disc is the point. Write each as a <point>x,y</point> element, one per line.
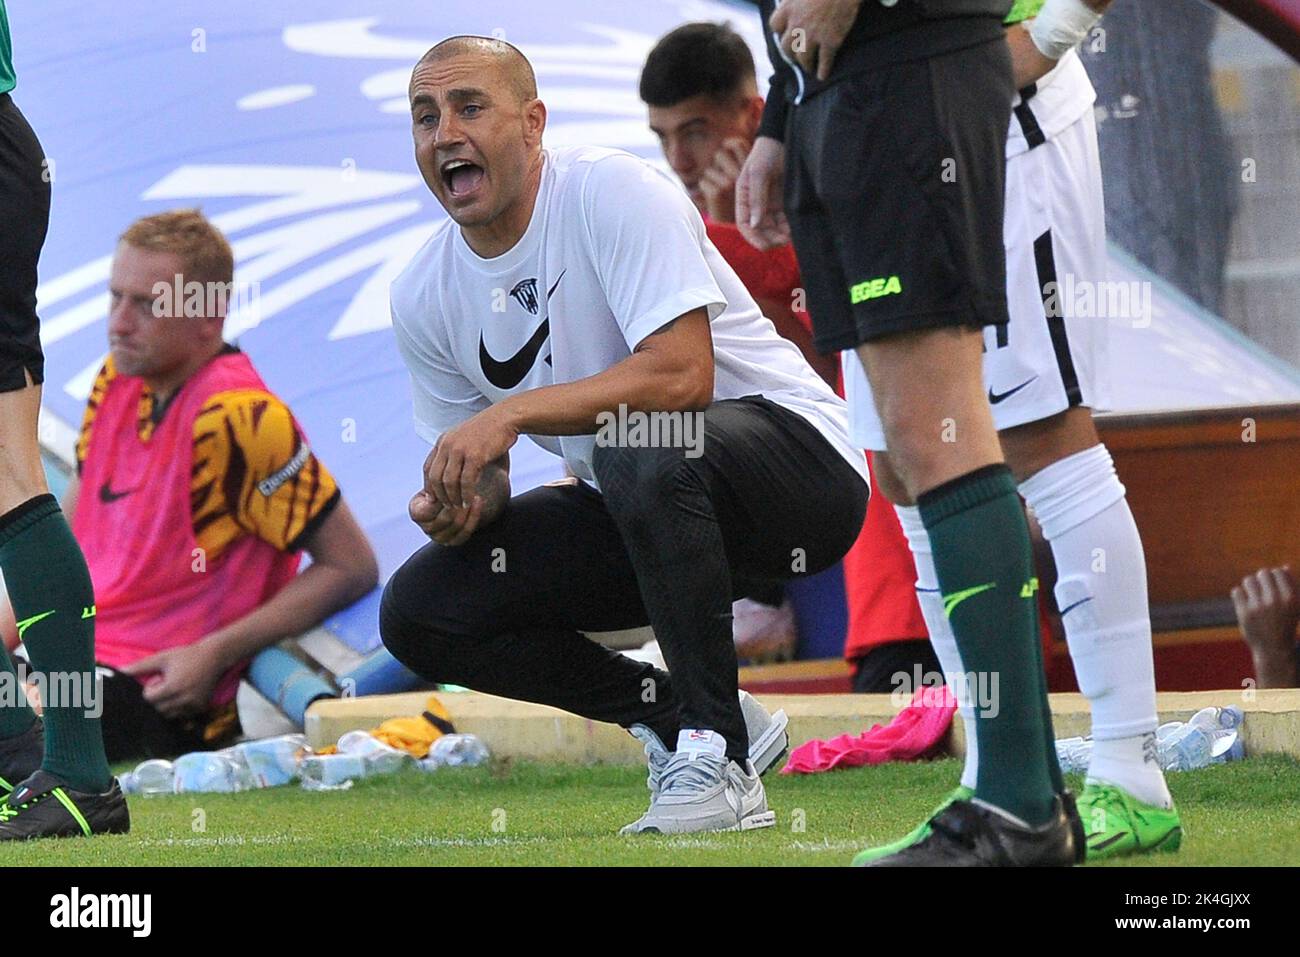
<point>669,541</point>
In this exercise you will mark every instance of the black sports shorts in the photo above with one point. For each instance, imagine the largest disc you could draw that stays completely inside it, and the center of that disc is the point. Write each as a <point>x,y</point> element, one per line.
<point>894,193</point>
<point>24,218</point>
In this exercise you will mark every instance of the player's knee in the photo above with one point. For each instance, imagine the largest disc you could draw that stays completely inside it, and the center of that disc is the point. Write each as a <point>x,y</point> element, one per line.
<point>890,482</point>
<point>397,631</point>
<point>638,481</point>
<point>426,650</point>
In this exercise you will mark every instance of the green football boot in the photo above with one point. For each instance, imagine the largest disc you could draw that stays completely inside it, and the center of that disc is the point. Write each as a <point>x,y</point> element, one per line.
<point>919,833</point>
<point>1117,823</point>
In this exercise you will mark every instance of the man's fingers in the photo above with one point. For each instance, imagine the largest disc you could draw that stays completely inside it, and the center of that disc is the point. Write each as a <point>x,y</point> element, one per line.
<point>423,508</point>
<point>141,667</point>
<point>739,150</point>
<point>157,692</point>
<point>1283,585</point>
<point>1267,594</point>
<point>1252,589</point>
<point>470,471</point>
<point>807,57</point>
<point>710,183</point>
<point>746,214</point>
<point>433,473</point>
<point>451,479</point>
<point>725,165</point>
<point>742,189</point>
<point>470,524</point>
<point>1239,603</point>
<point>780,16</point>
<point>825,60</point>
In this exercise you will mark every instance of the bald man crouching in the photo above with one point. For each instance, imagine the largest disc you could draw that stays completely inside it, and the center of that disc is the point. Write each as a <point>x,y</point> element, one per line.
<point>573,297</point>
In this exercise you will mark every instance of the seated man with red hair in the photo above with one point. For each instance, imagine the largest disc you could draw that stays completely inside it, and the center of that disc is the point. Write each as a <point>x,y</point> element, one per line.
<point>195,496</point>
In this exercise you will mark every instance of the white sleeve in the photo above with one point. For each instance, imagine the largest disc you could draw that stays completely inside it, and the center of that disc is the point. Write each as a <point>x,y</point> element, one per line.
<point>442,397</point>
<point>647,242</point>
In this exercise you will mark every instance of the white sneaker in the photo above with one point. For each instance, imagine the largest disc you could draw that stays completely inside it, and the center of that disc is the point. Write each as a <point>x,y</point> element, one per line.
<point>768,741</point>
<point>700,791</point>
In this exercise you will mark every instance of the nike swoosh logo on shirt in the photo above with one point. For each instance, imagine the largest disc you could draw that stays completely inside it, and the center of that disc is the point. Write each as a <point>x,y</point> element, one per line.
<point>107,495</point>
<point>507,374</point>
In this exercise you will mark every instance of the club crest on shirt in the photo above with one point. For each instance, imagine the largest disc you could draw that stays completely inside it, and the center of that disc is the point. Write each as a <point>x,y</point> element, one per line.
<point>525,293</point>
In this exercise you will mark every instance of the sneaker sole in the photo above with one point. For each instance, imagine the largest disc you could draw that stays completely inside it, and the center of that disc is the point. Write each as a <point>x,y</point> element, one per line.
<point>1168,843</point>
<point>756,821</point>
<point>771,745</point>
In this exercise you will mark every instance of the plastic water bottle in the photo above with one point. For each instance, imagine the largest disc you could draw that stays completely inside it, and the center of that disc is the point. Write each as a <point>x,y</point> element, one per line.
<point>206,772</point>
<point>272,761</point>
<point>379,758</point>
<point>127,782</point>
<point>154,777</point>
<point>1073,754</point>
<point>456,750</point>
<point>1232,718</point>
<point>331,772</point>
<point>1200,742</point>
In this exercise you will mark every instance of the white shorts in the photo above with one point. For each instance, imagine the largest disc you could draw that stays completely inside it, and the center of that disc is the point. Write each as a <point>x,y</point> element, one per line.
<point>1055,233</point>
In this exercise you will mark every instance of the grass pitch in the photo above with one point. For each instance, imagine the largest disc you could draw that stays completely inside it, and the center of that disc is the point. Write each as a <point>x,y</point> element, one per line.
<point>530,814</point>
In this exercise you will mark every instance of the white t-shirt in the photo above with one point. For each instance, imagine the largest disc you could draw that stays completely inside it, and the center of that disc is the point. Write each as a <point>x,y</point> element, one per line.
<point>615,250</point>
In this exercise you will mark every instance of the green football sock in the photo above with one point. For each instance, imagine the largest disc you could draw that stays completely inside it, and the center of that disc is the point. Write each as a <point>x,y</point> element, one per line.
<point>50,590</point>
<point>982,558</point>
<point>1049,739</point>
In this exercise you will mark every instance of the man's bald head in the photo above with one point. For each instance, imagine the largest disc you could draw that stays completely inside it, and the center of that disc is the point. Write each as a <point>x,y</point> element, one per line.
<point>512,66</point>
<point>477,124</point>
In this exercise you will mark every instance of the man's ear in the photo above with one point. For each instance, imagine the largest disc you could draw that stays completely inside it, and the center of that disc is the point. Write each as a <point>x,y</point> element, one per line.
<point>534,120</point>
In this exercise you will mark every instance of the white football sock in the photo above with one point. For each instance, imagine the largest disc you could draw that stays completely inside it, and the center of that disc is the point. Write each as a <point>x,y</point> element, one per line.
<point>941,636</point>
<point>1101,592</point>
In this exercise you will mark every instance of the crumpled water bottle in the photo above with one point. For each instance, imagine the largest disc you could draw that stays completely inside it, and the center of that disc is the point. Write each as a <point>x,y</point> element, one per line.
<point>1200,742</point>
<point>331,772</point>
<point>272,761</point>
<point>154,777</point>
<point>456,750</point>
<point>379,757</point>
<point>210,772</point>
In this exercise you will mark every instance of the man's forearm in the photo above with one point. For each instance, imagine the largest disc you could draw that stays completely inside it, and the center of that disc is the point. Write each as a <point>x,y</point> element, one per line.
<point>643,382</point>
<point>304,603</point>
